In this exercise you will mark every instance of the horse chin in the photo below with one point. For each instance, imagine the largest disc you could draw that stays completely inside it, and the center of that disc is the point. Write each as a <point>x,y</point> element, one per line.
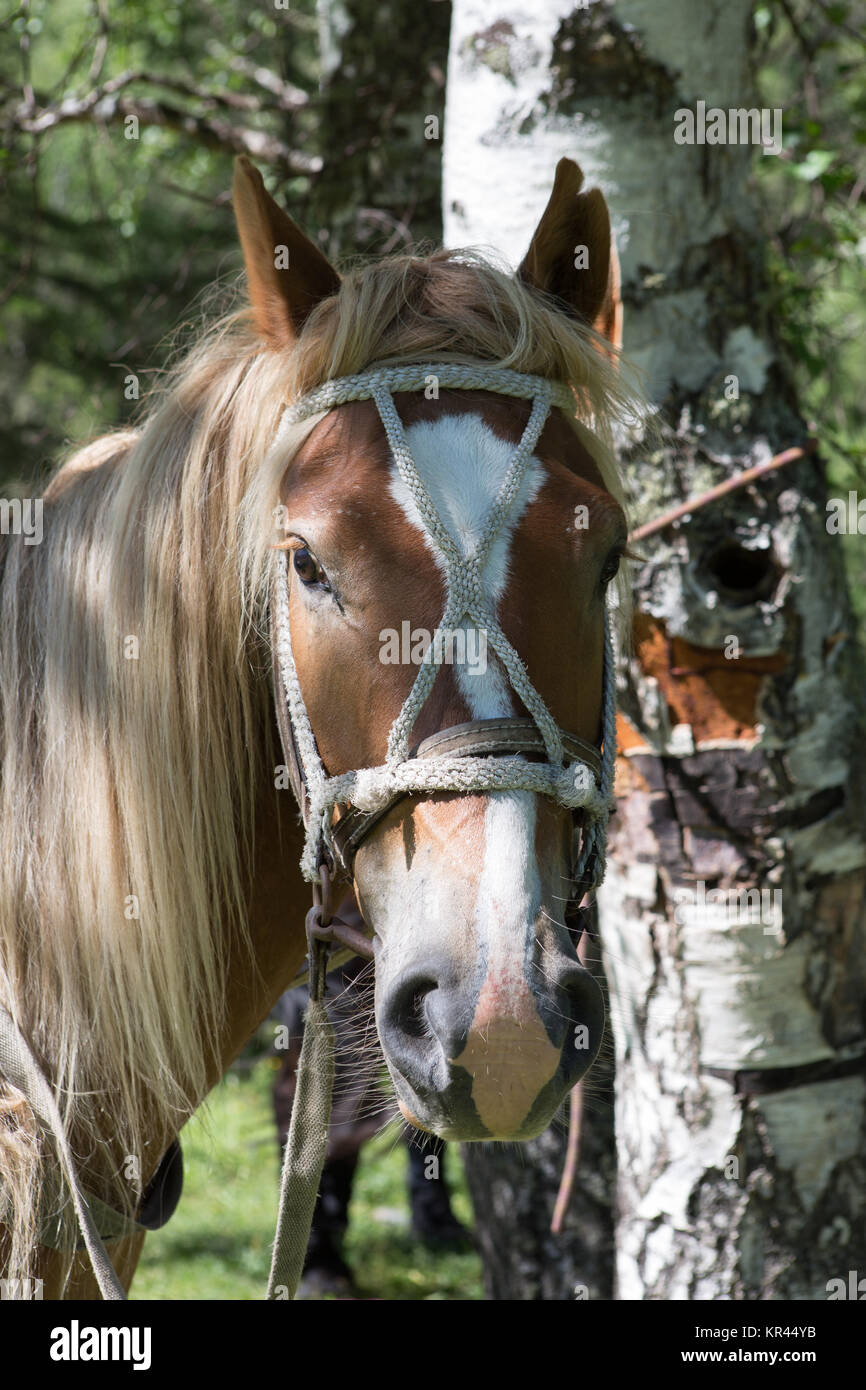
<point>452,1115</point>
<point>473,1132</point>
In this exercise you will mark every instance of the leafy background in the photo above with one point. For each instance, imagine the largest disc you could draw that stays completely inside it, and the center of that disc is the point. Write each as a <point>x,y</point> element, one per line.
<point>810,61</point>
<point>107,244</point>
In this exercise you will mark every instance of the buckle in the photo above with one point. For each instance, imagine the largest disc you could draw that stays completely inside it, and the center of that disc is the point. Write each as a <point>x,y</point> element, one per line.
<point>324,930</point>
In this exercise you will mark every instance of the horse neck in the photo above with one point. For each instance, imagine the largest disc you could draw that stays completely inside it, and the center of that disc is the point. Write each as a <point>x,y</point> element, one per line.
<point>259,972</point>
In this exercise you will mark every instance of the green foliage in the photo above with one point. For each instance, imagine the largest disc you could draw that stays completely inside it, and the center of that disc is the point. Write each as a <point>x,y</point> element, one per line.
<point>811,63</point>
<point>108,233</point>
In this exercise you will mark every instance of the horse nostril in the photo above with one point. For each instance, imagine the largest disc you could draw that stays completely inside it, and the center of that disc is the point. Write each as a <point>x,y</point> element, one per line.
<point>408,1028</point>
<point>407,1006</point>
<point>584,1008</point>
<point>416,1019</point>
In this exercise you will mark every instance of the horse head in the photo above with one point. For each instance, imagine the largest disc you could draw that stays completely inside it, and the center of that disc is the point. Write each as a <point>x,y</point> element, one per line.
<point>448,535</point>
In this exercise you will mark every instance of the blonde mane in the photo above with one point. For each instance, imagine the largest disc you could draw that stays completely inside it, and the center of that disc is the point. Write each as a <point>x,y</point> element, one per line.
<point>135,707</point>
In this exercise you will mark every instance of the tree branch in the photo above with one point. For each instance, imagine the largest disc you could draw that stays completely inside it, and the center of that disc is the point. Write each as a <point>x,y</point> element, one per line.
<point>106,106</point>
<point>749,475</point>
<point>289,98</point>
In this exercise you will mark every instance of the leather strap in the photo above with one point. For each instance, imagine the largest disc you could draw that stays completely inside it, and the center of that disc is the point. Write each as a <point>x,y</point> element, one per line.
<point>160,1198</point>
<point>518,735</point>
<point>158,1204</point>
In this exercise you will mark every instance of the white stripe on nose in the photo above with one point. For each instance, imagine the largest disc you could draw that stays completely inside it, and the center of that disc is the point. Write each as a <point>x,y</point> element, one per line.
<point>462,464</point>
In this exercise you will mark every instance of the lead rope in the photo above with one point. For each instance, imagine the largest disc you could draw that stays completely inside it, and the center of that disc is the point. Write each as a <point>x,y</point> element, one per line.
<point>305,1152</point>
<point>307,1140</point>
<point>19,1066</point>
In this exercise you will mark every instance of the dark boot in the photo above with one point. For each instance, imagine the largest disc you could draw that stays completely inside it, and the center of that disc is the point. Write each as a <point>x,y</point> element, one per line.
<point>433,1221</point>
<point>325,1270</point>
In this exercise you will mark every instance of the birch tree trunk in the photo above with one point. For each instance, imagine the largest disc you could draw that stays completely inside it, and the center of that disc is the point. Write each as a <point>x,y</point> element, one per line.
<point>738,1020</point>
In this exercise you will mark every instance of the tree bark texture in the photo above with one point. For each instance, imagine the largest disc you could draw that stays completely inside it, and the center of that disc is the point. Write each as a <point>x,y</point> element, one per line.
<point>733,916</point>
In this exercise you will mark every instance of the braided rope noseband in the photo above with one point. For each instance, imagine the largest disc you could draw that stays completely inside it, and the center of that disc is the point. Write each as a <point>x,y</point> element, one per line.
<point>572,784</point>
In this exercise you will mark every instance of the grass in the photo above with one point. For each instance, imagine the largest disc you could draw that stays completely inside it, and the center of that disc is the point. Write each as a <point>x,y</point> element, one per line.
<point>218,1243</point>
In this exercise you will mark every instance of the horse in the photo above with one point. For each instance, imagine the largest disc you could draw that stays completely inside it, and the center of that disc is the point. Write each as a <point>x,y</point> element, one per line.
<point>152,908</point>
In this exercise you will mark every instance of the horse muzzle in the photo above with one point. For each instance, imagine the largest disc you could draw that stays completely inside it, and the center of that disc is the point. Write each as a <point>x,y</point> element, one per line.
<point>494,1062</point>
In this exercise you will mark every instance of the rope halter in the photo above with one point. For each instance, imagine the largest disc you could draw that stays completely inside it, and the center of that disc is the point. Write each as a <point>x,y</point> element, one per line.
<point>569,780</point>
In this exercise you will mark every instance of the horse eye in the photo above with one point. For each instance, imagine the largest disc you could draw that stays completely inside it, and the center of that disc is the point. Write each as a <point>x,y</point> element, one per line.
<point>307,567</point>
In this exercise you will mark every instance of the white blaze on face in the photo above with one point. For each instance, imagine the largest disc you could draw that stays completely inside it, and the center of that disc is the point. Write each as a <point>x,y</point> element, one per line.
<point>462,464</point>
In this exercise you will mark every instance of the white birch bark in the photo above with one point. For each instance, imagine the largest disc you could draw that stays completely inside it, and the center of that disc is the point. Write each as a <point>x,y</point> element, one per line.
<point>741,1100</point>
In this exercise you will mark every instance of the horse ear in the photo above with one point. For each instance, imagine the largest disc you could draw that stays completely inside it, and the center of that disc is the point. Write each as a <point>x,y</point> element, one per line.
<point>287,274</point>
<point>572,256</point>
<point>609,320</point>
